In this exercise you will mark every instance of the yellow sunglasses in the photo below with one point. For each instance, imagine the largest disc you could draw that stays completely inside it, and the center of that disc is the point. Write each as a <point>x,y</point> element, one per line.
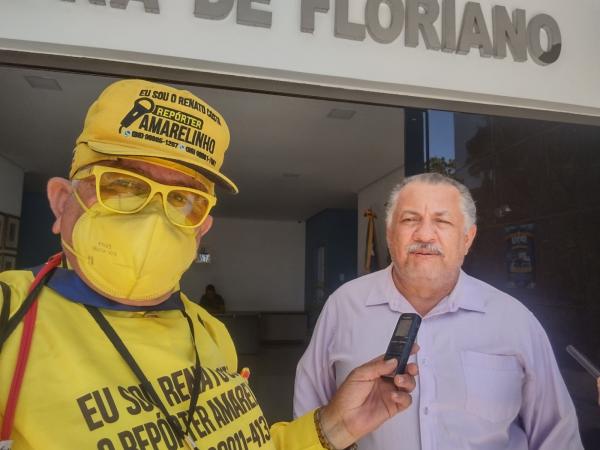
<point>126,192</point>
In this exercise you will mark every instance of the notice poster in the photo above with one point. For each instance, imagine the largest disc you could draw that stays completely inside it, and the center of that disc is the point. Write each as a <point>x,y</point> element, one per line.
<point>520,255</point>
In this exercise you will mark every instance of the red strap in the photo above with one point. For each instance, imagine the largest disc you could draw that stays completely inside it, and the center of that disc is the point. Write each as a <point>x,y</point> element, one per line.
<point>26,337</point>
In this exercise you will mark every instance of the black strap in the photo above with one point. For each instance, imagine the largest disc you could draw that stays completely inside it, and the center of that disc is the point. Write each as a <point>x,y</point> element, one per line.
<point>5,312</point>
<point>11,324</point>
<point>5,303</point>
<point>117,342</point>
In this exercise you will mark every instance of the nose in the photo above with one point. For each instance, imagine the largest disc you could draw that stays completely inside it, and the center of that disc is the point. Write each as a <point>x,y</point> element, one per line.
<point>425,231</point>
<point>156,200</point>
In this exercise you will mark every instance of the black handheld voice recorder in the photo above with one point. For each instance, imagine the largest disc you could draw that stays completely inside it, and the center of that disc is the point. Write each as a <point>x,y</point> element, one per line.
<point>402,340</point>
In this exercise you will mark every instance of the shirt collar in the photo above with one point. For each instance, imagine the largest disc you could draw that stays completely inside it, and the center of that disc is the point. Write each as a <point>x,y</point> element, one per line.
<point>385,292</point>
<point>463,296</point>
<point>466,296</point>
<point>68,284</point>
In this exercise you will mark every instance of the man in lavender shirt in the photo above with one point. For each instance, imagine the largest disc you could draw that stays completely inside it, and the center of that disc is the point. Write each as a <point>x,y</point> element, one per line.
<point>488,377</point>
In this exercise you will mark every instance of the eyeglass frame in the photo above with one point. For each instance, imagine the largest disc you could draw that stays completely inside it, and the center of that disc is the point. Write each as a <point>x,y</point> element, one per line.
<point>97,170</point>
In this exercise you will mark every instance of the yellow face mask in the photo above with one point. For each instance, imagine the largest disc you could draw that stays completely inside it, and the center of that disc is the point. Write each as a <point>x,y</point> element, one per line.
<point>135,257</point>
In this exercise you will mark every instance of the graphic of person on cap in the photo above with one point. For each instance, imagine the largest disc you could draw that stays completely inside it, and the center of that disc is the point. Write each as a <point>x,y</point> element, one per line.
<point>100,349</point>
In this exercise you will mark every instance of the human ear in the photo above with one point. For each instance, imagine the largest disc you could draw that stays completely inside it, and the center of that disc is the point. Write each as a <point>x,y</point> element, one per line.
<point>59,191</point>
<point>204,228</point>
<point>470,237</point>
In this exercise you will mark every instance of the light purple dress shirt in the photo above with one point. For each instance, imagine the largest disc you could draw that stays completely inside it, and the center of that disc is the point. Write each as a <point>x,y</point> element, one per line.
<point>488,377</point>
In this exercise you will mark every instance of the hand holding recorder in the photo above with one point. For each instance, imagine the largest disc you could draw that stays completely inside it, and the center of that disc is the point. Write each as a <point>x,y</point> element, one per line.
<point>367,398</point>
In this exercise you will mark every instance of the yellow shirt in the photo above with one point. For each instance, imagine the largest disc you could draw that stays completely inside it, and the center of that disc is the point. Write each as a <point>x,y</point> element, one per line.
<point>78,392</point>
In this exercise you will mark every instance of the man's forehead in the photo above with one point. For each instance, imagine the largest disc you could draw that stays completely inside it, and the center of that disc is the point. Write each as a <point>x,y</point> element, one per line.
<point>441,212</point>
<point>438,198</point>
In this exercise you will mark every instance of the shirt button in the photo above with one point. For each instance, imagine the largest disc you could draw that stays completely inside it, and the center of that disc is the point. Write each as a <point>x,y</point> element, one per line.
<point>423,361</point>
<point>426,410</point>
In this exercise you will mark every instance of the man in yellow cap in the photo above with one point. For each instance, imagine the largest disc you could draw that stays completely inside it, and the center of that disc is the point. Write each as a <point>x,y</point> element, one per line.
<point>100,349</point>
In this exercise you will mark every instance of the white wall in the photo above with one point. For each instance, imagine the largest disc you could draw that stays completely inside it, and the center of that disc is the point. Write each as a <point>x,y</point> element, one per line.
<point>375,196</point>
<point>257,265</point>
<point>176,38</point>
<point>11,187</point>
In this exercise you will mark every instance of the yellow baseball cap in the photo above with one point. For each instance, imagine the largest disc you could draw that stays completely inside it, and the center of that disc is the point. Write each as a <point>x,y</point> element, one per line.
<point>138,118</point>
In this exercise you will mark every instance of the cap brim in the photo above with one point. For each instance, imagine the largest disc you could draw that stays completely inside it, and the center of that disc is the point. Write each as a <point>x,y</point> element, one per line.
<point>123,150</point>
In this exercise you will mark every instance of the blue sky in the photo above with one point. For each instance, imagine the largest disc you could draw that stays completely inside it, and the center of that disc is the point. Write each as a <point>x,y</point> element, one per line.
<point>441,134</point>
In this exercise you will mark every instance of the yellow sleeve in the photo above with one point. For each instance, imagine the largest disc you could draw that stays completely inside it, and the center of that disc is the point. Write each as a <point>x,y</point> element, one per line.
<point>18,282</point>
<point>300,434</point>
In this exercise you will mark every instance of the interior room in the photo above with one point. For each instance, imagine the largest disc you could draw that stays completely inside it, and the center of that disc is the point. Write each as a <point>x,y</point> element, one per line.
<point>309,170</point>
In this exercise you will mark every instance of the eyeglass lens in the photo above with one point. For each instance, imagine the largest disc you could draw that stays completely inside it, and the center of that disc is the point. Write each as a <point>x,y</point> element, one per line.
<point>127,193</point>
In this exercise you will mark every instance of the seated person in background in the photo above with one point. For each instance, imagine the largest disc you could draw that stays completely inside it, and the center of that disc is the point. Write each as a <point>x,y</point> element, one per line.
<point>211,301</point>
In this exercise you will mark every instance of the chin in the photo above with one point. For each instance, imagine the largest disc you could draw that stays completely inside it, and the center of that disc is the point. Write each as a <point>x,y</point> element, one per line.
<point>424,271</point>
<point>133,301</point>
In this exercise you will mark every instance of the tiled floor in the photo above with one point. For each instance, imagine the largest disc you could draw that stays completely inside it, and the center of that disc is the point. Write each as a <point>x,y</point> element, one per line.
<point>272,378</point>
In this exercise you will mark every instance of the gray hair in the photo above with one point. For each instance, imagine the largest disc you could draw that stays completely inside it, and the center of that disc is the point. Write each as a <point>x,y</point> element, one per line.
<point>467,204</point>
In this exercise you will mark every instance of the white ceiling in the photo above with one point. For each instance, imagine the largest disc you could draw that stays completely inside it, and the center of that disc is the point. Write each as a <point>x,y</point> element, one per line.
<point>272,136</point>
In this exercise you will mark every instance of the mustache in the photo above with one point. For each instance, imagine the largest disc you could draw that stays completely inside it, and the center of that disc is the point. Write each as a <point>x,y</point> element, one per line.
<point>425,247</point>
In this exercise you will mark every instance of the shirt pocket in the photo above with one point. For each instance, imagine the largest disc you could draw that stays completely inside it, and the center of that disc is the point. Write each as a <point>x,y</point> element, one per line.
<point>493,385</point>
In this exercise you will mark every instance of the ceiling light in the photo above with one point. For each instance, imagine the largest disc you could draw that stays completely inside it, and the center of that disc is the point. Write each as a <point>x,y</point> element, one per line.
<point>342,114</point>
<point>49,84</point>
